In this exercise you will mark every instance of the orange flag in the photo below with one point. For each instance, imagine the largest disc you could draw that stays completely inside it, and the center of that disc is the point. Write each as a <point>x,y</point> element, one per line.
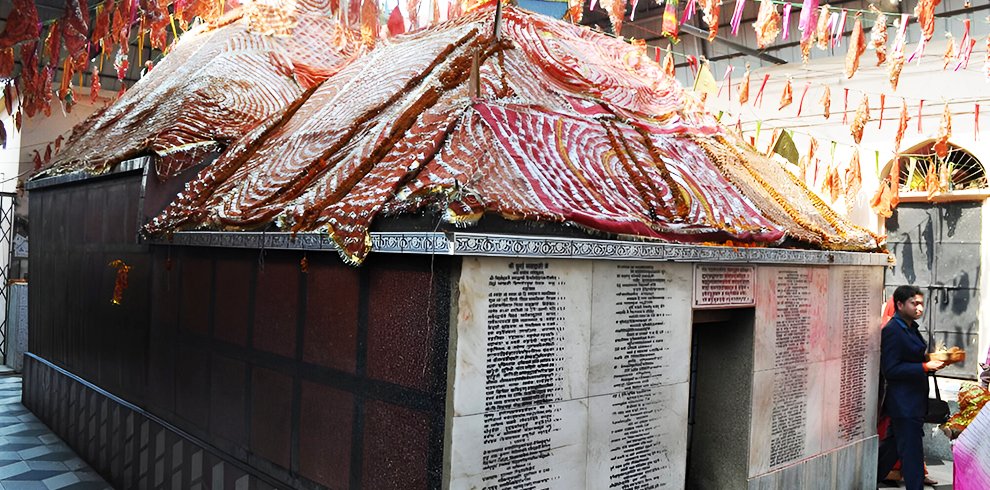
<point>944,132</point>
<point>787,97</point>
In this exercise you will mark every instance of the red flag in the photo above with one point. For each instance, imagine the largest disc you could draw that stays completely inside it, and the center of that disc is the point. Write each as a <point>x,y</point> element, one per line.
<point>396,25</point>
<point>22,24</point>
<point>883,99</point>
<point>804,92</point>
<point>921,105</point>
<point>976,121</point>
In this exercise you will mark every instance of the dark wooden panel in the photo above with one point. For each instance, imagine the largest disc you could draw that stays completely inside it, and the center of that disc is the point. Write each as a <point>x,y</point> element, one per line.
<point>276,303</point>
<point>234,273</point>
<point>326,421</point>
<point>396,447</point>
<point>331,313</point>
<point>271,415</point>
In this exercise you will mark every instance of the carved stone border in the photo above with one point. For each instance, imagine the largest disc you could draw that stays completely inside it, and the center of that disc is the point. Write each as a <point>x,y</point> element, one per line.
<point>529,246</point>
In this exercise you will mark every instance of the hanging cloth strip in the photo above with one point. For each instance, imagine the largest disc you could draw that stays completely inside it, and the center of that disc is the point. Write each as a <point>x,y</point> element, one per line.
<point>787,21</point>
<point>759,95</point>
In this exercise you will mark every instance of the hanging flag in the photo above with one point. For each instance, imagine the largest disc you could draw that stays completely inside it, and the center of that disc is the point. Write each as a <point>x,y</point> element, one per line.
<point>931,181</point>
<point>808,19</point>
<point>919,52</point>
<point>854,176</point>
<point>804,92</point>
<point>575,9</point>
<point>693,63</point>
<point>833,184</point>
<point>966,53</point>
<point>878,35</point>
<point>737,16</point>
<point>669,26</point>
<point>826,102</point>
<point>668,63</point>
<point>767,24</point>
<point>963,43</point>
<point>941,146</point>
<point>396,25</point>
<point>710,12</point>
<point>950,51</point>
<point>704,83</point>
<point>805,163</point>
<point>787,96</point>
<point>859,121</point>
<point>632,13</point>
<point>616,10</point>
<point>925,12</point>
<point>22,24</point>
<point>744,87</point>
<point>759,94</point>
<point>857,46</point>
<point>823,32</point>
<point>787,21</point>
<point>902,124</point>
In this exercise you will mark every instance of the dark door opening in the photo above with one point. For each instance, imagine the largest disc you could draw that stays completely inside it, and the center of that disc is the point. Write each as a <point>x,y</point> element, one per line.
<point>720,400</point>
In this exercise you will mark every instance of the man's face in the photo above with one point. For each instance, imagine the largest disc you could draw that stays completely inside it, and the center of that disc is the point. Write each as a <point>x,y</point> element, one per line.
<point>913,308</point>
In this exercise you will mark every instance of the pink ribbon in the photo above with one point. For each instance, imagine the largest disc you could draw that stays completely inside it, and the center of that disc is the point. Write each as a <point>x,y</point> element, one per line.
<point>737,16</point>
<point>808,19</point>
<point>787,20</point>
<point>689,9</point>
<point>727,76</point>
<point>837,37</point>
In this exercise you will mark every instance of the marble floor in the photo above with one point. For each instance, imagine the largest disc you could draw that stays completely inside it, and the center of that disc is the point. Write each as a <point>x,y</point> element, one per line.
<point>940,471</point>
<point>31,457</point>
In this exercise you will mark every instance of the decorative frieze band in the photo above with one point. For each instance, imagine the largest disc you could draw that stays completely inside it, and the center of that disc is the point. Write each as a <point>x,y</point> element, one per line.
<point>529,246</point>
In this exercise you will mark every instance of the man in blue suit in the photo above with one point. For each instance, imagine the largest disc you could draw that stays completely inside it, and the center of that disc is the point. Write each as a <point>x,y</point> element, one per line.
<point>904,364</point>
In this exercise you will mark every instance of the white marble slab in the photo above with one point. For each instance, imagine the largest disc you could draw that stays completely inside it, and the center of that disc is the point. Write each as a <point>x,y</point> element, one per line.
<point>536,447</point>
<point>791,325</point>
<point>641,326</point>
<point>787,422</point>
<point>638,439</point>
<point>523,333</point>
<point>724,286</point>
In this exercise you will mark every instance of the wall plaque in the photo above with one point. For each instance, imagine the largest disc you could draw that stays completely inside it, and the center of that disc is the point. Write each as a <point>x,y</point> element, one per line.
<point>724,286</point>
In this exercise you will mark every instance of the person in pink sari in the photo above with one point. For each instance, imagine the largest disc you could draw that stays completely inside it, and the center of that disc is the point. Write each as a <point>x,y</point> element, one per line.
<point>971,450</point>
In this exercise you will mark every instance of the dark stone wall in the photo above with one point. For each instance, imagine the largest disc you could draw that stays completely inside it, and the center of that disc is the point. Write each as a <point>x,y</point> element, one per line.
<point>334,377</point>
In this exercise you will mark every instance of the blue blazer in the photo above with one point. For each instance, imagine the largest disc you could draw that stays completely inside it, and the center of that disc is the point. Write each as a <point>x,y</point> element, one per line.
<point>902,353</point>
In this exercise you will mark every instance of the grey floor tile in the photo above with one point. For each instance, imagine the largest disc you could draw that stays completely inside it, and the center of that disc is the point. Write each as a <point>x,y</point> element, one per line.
<point>74,463</point>
<point>23,485</point>
<point>13,470</point>
<point>50,439</point>
<point>89,485</point>
<point>61,481</point>
<point>48,465</point>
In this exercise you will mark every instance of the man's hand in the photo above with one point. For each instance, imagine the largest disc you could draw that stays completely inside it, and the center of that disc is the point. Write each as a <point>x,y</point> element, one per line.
<point>934,365</point>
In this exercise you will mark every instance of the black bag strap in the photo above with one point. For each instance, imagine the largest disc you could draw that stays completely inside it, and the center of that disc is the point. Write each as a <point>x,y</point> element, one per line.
<point>931,341</point>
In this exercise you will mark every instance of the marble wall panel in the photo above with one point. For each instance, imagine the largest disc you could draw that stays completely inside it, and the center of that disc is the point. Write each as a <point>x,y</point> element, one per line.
<point>523,333</point>
<point>570,374</point>
<point>641,326</point>
<point>791,319</point>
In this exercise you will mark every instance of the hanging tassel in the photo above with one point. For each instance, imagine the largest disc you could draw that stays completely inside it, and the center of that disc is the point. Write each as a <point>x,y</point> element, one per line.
<point>787,21</point>
<point>744,87</point>
<point>120,284</point>
<point>737,16</point>
<point>845,107</point>
<point>826,102</point>
<point>787,96</point>
<point>759,124</point>
<point>689,9</point>
<point>837,39</point>
<point>669,26</point>
<point>883,99</point>
<point>759,95</point>
<point>941,145</point>
<point>804,92</point>
<point>919,52</point>
<point>921,105</point>
<point>304,265</point>
<point>727,76</point>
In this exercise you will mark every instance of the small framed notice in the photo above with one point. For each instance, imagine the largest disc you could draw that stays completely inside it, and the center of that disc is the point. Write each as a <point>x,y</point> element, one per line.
<point>724,286</point>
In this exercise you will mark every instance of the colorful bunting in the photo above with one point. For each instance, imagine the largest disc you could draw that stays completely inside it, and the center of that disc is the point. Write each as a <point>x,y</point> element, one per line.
<point>925,12</point>
<point>950,52</point>
<point>22,24</point>
<point>396,25</point>
<point>837,36</point>
<point>902,124</point>
<point>854,176</point>
<point>845,106</point>
<point>669,27</point>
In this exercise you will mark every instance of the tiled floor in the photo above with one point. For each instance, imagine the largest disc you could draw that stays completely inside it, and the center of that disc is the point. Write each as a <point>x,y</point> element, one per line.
<point>31,457</point>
